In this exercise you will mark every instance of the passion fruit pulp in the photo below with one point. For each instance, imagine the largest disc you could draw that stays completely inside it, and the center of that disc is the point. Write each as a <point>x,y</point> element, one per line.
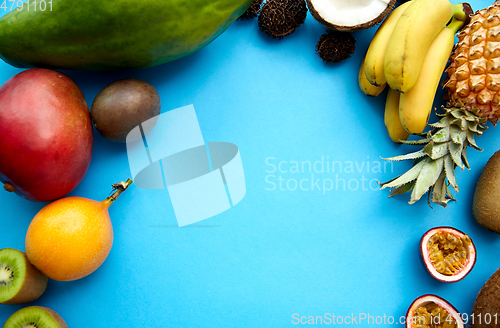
<point>434,312</point>
<point>448,253</point>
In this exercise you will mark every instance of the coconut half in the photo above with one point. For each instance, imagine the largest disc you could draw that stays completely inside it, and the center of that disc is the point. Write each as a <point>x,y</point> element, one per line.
<point>349,15</point>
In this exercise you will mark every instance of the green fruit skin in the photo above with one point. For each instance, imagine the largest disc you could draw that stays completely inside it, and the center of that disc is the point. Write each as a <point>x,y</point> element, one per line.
<point>34,283</point>
<point>109,35</point>
<point>46,317</point>
<point>486,205</point>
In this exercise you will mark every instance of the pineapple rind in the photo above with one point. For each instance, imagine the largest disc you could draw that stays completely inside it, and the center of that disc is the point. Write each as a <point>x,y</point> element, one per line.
<point>473,80</point>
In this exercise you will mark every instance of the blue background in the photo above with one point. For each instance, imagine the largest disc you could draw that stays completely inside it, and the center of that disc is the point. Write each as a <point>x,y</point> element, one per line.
<point>278,252</point>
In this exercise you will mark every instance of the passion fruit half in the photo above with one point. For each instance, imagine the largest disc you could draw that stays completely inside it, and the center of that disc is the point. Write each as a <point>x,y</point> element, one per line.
<point>448,253</point>
<point>433,311</point>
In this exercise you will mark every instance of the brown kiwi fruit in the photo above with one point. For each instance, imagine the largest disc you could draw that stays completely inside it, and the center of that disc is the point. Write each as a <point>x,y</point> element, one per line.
<point>485,205</point>
<point>35,316</point>
<point>486,310</point>
<point>20,281</point>
<point>123,105</point>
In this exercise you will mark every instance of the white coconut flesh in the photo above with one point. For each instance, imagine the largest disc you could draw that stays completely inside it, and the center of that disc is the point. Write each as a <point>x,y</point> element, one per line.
<point>350,13</point>
<point>435,253</point>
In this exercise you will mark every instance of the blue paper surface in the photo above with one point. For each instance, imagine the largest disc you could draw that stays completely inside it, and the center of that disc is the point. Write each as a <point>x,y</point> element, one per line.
<point>313,236</point>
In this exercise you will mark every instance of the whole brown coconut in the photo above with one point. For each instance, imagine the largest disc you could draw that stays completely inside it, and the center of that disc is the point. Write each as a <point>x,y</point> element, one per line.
<point>486,204</point>
<point>486,310</point>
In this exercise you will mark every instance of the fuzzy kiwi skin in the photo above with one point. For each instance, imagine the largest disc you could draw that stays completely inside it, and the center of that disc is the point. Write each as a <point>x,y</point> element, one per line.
<point>122,105</point>
<point>485,205</point>
<point>33,287</point>
<point>57,318</point>
<point>60,322</point>
<point>487,304</point>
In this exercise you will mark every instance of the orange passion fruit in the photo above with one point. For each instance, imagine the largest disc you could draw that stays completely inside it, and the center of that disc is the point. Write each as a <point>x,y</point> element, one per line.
<point>71,237</point>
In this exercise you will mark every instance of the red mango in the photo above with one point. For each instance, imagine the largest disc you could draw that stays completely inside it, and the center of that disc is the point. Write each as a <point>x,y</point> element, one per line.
<point>45,135</point>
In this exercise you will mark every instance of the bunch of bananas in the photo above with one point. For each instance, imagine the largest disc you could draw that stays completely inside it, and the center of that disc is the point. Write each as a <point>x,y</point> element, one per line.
<point>409,53</point>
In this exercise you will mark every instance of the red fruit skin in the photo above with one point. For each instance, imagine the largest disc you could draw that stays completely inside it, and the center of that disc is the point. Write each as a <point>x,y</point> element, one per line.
<point>45,134</point>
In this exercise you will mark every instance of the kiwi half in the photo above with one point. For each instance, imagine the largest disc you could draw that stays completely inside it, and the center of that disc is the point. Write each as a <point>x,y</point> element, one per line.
<point>35,316</point>
<point>20,281</point>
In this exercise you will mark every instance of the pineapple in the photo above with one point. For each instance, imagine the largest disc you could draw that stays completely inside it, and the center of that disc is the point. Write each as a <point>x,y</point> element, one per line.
<point>474,73</point>
<point>473,91</point>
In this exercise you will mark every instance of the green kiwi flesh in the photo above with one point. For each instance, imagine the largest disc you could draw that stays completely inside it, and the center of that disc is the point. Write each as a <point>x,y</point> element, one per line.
<point>486,309</point>
<point>35,317</point>
<point>485,205</point>
<point>20,281</point>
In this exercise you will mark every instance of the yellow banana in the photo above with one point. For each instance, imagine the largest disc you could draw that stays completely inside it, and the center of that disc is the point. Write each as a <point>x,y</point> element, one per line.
<point>365,85</point>
<point>415,106</point>
<point>391,117</point>
<point>414,32</point>
<point>374,59</point>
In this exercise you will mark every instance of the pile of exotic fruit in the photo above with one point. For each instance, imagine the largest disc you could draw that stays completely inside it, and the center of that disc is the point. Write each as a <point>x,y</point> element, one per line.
<point>47,127</point>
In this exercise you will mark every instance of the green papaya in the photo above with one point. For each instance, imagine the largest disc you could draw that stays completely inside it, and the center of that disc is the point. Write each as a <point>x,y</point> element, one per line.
<point>108,35</point>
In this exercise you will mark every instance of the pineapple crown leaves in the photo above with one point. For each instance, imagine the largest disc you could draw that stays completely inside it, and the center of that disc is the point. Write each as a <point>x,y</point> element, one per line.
<point>444,148</point>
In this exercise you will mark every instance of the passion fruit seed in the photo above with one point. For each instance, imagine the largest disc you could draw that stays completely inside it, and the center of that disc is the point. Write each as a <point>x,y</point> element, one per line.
<point>467,240</point>
<point>432,315</point>
<point>447,252</point>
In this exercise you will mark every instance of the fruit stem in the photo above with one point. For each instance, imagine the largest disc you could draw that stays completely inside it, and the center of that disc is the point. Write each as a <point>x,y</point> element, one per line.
<point>462,11</point>
<point>118,188</point>
<point>455,25</point>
